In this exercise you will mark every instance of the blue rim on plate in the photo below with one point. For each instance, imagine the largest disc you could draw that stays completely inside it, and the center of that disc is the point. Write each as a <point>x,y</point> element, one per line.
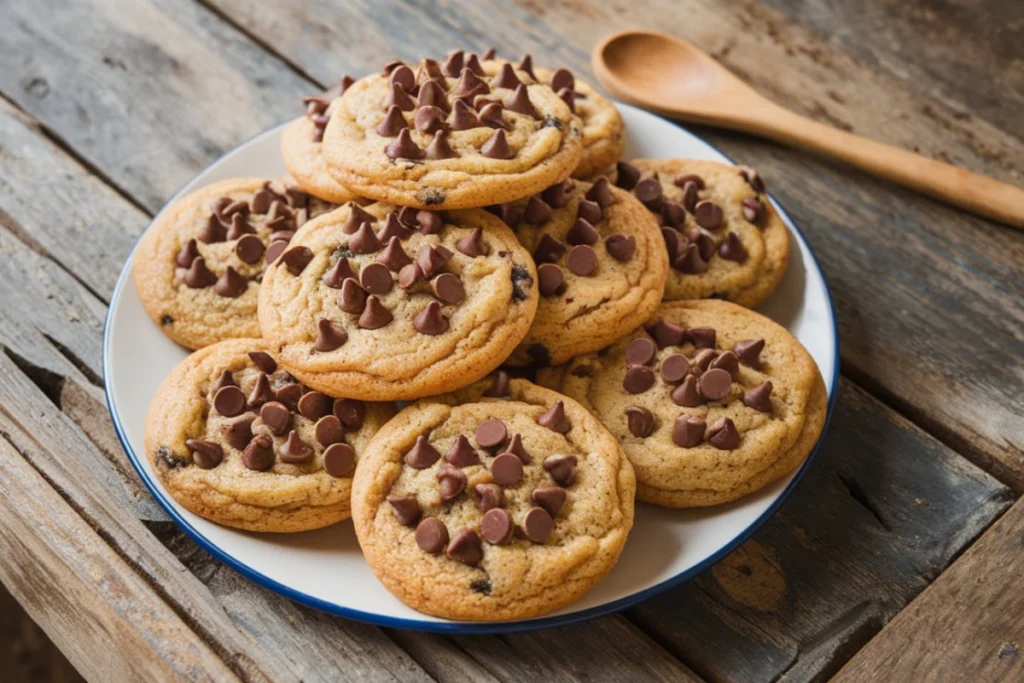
<point>461,626</point>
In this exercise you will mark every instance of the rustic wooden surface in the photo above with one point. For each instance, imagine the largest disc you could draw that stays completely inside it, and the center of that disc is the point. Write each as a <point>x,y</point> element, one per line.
<point>108,106</point>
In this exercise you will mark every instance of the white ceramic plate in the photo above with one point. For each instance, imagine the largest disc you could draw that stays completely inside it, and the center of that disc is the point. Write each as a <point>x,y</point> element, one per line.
<point>324,568</point>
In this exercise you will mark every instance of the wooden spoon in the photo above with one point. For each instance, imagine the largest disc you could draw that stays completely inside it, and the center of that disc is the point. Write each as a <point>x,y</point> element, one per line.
<point>677,79</point>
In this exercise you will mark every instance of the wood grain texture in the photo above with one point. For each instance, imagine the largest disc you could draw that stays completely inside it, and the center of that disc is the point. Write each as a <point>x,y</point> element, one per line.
<point>881,512</point>
<point>27,655</point>
<point>968,625</point>
<point>53,563</point>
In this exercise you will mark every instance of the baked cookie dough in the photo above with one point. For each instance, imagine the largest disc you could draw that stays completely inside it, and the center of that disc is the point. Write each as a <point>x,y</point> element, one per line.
<point>601,267</point>
<point>385,303</point>
<point>710,401</point>
<point>302,151</point>
<point>460,134</point>
<point>504,501</point>
<point>723,237</point>
<point>236,440</point>
<point>199,266</point>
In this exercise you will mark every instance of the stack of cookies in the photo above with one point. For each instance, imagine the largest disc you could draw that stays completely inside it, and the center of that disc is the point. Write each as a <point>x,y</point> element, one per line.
<point>448,229</point>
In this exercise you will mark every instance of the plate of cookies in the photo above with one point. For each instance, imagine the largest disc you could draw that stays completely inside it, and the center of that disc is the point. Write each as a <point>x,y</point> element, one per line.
<point>469,347</point>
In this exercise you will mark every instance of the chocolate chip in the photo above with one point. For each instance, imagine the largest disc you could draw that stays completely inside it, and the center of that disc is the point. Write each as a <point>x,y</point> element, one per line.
<point>462,454</point>
<point>555,418</point>
<point>640,352</point>
<point>550,498</point>
<point>621,247</point>
<point>648,190</point>
<point>537,211</point>
<point>431,535</point>
<point>431,258</point>
<point>448,288</point>
<point>727,361</point>
<point>507,469</point>
<point>225,380</point>
<point>759,398</point>
<point>189,253</point>
<point>352,298</point>
<point>259,454</point>
<point>374,315</point>
<point>506,78</point>
<point>410,275</point>
<point>701,360</point>
<point>688,431</point>
<point>589,211</point>
<point>715,384</point>
<point>561,468</point>
<point>339,272</point>
<point>638,379</point>
<point>562,78</point>
<point>239,433</point>
<point>519,102</point>
<point>213,231</point>
<point>364,241</point>
<point>451,481</point>
<point>496,147</point>
<point>723,435</point>
<point>549,279</point>
<point>684,178</point>
<point>626,175</point>
<point>499,387</point>
<point>439,147</point>
<point>490,496</point>
<point>749,352</point>
<point>666,334</point>
<point>229,401</point>
<point>231,284</point>
<point>198,275</point>
<point>314,405</point>
<point>260,201</point>
<point>406,508</point>
<point>330,335</point>
<point>398,97</point>
<point>527,65</point>
<point>732,249</point>
<point>752,178</point>
<point>356,217</point>
<point>508,213</point>
<point>350,411</point>
<point>249,249</point>
<point>422,455</point>
<point>432,94</point>
<point>296,259</point>
<point>686,394</point>
<point>275,250</point>
<point>453,64</point>
<point>702,337</point>
<point>582,260</point>
<point>753,209</point>
<point>430,119</point>
<point>470,85</point>
<point>339,460</point>
<point>496,526</point>
<point>295,451</point>
<point>601,193</point>
<point>282,235</point>
<point>491,434</point>
<point>704,240</point>
<point>462,117</point>
<point>375,278</point>
<point>538,524</point>
<point>430,320</point>
<point>582,232</point>
<point>640,422</point>
<point>690,261</point>
<point>261,391</point>
<point>691,195</point>
<point>569,97</point>
<point>289,395</point>
<point>276,416</point>
<point>239,227</point>
<point>473,64</point>
<point>675,367</point>
<point>403,147</point>
<point>392,123</point>
<point>673,213</point>
<point>708,214</point>
<point>516,448</point>
<point>402,75</point>
<point>672,243</point>
<point>472,245</point>
<point>466,548</point>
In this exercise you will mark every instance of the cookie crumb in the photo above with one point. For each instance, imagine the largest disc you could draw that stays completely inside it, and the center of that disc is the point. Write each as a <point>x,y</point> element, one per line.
<point>520,275</point>
<point>168,460</point>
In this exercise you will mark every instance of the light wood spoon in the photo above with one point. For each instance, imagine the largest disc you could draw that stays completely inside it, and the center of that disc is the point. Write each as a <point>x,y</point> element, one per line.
<point>674,78</point>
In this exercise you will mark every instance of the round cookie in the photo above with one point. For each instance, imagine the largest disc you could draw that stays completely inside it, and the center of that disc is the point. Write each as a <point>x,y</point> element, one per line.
<point>301,148</point>
<point>710,402</point>
<point>601,267</point>
<point>459,135</point>
<point>198,267</point>
<point>723,237</point>
<point>234,439</point>
<point>504,501</point>
<point>388,304</point>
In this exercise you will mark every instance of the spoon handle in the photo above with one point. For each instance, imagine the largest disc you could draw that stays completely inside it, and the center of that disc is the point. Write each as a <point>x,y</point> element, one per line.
<point>956,186</point>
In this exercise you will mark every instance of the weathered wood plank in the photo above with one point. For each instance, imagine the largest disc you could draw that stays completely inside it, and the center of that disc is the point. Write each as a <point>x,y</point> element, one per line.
<point>883,509</point>
<point>53,563</point>
<point>968,625</point>
<point>26,653</point>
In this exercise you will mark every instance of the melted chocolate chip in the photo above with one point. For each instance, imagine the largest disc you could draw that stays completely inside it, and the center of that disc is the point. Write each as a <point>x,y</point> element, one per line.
<point>561,468</point>
<point>451,481</point>
<point>521,282</point>
<point>490,496</point>
<point>640,422</point>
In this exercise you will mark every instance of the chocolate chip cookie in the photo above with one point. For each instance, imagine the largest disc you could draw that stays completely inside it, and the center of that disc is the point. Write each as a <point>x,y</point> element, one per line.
<point>382,303</point>
<point>235,439</point>
<point>199,266</point>
<point>503,501</point>
<point>710,401</point>
<point>601,267</point>
<point>451,135</point>
<point>302,150</point>
<point>723,237</point>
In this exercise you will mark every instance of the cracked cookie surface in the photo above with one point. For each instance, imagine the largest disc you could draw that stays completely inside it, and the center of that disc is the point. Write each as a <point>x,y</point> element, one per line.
<point>710,401</point>
<point>236,440</point>
<point>502,501</point>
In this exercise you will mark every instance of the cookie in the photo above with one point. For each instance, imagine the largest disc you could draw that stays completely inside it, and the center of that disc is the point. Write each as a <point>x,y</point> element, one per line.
<point>460,134</point>
<point>505,501</point>
<point>198,267</point>
<point>710,401</point>
<point>301,148</point>
<point>388,304</point>
<point>723,237</point>
<point>601,267</point>
<point>236,440</point>
<point>604,132</point>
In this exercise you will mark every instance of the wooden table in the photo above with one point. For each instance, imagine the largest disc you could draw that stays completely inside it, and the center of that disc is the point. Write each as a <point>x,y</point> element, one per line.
<point>899,554</point>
